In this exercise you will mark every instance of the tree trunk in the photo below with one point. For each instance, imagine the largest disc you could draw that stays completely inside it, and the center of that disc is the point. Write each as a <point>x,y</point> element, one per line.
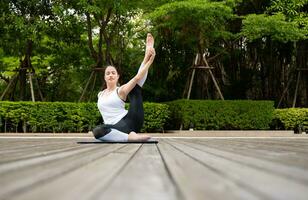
<point>25,67</point>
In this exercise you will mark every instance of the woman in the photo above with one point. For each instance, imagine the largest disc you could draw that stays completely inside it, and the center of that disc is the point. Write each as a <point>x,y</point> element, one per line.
<point>121,125</point>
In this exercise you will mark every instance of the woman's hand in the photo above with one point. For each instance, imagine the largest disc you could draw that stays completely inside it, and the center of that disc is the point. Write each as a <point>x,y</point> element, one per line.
<point>152,55</point>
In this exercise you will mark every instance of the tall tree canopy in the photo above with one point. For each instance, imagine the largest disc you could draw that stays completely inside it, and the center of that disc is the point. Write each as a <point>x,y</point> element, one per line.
<point>261,46</point>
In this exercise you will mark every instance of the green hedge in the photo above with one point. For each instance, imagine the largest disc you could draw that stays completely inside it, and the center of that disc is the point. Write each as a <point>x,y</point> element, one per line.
<point>67,117</point>
<point>291,118</point>
<point>198,114</point>
<point>220,115</point>
<point>155,117</point>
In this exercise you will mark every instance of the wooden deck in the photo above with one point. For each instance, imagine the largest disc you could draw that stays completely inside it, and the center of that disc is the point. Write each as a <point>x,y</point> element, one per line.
<point>175,168</point>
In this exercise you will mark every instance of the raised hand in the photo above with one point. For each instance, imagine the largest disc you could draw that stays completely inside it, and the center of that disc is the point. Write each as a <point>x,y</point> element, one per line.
<point>152,55</point>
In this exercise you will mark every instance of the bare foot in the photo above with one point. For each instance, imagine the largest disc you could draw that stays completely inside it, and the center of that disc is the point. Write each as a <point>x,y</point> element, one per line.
<point>134,137</point>
<point>149,45</point>
<point>149,41</point>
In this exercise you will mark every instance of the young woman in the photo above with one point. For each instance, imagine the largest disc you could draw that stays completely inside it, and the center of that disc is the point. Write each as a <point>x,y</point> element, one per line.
<point>121,125</point>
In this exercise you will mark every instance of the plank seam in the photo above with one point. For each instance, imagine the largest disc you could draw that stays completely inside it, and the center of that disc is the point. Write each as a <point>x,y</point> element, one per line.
<point>177,187</point>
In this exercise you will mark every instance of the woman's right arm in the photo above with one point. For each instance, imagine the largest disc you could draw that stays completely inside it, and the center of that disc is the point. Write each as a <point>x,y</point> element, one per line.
<point>126,88</point>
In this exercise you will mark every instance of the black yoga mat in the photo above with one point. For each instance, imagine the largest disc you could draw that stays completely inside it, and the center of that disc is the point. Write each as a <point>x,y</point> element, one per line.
<point>108,142</point>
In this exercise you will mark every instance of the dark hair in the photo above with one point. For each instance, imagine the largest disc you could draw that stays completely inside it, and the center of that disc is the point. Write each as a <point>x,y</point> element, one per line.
<point>104,86</point>
<point>110,66</point>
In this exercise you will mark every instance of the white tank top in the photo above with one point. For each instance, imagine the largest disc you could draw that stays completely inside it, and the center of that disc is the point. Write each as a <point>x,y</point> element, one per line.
<point>111,107</point>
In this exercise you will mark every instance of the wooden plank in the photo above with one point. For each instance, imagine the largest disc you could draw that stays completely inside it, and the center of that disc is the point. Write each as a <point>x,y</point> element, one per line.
<point>144,177</point>
<point>195,181</point>
<point>88,181</point>
<point>295,144</point>
<point>12,143</point>
<point>296,174</point>
<point>16,148</point>
<point>256,146</point>
<point>35,150</point>
<point>263,183</point>
<point>20,176</point>
<point>263,150</point>
<point>8,145</point>
<point>42,159</point>
<point>289,144</point>
<point>279,146</point>
<point>200,168</point>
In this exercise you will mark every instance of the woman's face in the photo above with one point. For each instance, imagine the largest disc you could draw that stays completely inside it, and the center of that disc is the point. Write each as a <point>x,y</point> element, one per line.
<point>111,75</point>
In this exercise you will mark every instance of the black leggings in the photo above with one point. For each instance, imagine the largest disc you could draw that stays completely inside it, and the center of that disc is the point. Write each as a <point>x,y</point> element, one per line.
<point>132,121</point>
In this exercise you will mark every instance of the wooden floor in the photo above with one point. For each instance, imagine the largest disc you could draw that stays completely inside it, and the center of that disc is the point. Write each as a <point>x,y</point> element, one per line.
<point>175,168</point>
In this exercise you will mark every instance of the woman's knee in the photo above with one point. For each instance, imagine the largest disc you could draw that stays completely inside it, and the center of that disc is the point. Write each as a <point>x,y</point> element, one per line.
<point>100,131</point>
<point>135,92</point>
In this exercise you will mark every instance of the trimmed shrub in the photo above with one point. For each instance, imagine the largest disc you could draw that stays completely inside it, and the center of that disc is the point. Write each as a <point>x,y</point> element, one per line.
<point>291,119</point>
<point>220,115</point>
<point>155,117</point>
<point>67,117</point>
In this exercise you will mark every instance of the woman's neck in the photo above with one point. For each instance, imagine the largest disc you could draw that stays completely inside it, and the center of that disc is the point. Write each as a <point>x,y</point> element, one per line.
<point>111,87</point>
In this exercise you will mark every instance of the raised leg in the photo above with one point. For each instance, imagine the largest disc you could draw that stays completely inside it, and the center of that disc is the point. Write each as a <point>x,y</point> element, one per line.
<point>149,44</point>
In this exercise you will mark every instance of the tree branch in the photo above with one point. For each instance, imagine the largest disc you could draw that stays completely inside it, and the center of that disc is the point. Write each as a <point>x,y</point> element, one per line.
<point>100,40</point>
<point>90,40</point>
<point>107,39</point>
<point>213,57</point>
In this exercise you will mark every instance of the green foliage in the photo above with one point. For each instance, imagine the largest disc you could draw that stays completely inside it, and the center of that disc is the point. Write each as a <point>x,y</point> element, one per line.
<point>50,117</point>
<point>290,8</point>
<point>196,22</point>
<point>8,65</point>
<point>283,21</point>
<point>22,21</point>
<point>67,117</point>
<point>155,117</point>
<point>220,115</point>
<point>290,118</point>
<point>275,27</point>
<point>233,3</point>
<point>294,10</point>
<point>197,114</point>
<point>182,29</point>
<point>62,61</point>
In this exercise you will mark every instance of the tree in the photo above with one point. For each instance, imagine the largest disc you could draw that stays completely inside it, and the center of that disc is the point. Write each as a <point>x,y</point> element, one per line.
<point>22,24</point>
<point>278,34</point>
<point>191,27</point>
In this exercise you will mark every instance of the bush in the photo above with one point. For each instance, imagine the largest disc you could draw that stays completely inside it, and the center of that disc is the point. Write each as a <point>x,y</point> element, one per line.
<point>220,115</point>
<point>67,117</point>
<point>291,118</point>
<point>155,117</point>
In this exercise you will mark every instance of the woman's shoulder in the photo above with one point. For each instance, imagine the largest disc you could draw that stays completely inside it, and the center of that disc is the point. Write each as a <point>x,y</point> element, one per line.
<point>100,93</point>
